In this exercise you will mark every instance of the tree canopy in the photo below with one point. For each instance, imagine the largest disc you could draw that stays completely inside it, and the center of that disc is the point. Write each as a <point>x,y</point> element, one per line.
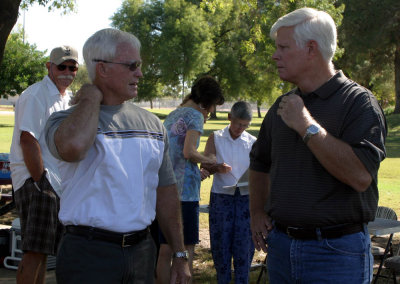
<point>9,10</point>
<point>229,39</point>
<point>22,66</point>
<point>370,35</point>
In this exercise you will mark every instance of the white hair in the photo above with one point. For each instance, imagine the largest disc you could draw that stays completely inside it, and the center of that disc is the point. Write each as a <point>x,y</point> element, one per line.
<point>102,45</point>
<point>310,24</point>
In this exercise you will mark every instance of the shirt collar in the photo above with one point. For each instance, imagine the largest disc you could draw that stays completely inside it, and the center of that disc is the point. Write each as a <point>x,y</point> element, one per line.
<point>329,88</point>
<point>51,86</point>
<point>226,134</point>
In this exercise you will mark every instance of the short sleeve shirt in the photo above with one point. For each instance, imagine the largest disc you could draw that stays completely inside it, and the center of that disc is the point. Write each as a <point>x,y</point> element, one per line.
<point>302,192</point>
<point>32,110</point>
<point>186,172</point>
<point>114,187</point>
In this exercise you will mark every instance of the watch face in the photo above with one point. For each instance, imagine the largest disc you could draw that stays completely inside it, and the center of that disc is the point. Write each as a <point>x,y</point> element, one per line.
<point>313,129</point>
<point>182,254</point>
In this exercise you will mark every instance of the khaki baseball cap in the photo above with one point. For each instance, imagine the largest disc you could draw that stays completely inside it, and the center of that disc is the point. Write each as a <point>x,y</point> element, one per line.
<point>63,53</point>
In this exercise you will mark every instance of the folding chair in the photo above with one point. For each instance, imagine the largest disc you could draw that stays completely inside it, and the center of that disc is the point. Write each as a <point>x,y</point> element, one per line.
<point>12,261</point>
<point>385,213</point>
<point>262,277</point>
<point>393,264</point>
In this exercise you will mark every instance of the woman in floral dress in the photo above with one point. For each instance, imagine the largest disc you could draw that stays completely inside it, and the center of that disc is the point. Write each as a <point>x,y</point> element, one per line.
<point>185,126</point>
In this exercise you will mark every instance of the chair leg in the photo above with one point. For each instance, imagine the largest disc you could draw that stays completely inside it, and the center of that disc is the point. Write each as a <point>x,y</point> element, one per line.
<point>385,255</point>
<point>263,270</point>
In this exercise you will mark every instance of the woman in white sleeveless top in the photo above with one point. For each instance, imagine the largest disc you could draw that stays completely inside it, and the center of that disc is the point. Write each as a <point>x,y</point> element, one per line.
<point>229,217</point>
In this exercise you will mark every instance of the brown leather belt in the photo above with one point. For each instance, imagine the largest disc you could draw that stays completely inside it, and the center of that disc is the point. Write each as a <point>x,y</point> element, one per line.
<point>123,239</point>
<point>330,232</point>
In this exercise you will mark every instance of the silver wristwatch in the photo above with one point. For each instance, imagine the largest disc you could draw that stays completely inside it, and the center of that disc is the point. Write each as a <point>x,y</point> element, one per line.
<point>312,130</point>
<point>181,254</point>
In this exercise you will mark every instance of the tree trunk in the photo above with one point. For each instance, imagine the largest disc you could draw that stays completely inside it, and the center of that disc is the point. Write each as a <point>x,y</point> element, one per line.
<point>213,115</point>
<point>259,109</point>
<point>8,18</point>
<point>151,103</point>
<point>397,79</point>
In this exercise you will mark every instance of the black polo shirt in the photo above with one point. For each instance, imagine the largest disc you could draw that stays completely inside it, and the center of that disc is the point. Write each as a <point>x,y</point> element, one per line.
<point>302,192</point>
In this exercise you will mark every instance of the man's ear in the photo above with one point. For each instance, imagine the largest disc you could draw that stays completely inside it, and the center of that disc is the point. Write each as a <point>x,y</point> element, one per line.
<point>101,69</point>
<point>312,47</point>
<point>229,116</point>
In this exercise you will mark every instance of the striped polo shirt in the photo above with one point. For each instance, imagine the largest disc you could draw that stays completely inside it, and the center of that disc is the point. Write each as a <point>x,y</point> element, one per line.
<point>302,192</point>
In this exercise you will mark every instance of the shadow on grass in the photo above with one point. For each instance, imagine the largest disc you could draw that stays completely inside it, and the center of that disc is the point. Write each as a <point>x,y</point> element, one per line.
<point>161,116</point>
<point>6,126</point>
<point>203,266</point>
<point>204,271</point>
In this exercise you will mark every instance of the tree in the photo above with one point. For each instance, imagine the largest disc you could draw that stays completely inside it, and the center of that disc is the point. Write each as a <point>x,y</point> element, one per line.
<point>228,39</point>
<point>187,49</point>
<point>82,77</point>
<point>176,42</point>
<point>144,20</point>
<point>9,14</point>
<point>22,66</point>
<point>370,35</point>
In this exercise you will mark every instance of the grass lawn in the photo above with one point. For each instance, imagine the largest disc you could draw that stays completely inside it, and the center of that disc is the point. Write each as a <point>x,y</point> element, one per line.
<point>388,180</point>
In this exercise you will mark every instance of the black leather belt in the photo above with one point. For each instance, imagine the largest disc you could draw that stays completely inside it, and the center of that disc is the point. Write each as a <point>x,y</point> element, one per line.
<point>123,239</point>
<point>330,232</point>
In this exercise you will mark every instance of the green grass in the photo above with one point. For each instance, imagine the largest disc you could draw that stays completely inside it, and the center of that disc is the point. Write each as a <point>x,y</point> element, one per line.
<point>388,180</point>
<point>6,131</point>
<point>389,172</point>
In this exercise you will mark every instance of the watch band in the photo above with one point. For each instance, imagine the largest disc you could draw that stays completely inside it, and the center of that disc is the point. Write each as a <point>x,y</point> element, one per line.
<point>181,254</point>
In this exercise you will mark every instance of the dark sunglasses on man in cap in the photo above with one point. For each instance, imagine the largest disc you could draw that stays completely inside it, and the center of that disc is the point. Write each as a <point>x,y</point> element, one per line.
<point>62,67</point>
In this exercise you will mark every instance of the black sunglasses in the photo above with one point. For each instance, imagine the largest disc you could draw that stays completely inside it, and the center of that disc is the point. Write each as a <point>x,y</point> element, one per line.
<point>62,67</point>
<point>132,66</point>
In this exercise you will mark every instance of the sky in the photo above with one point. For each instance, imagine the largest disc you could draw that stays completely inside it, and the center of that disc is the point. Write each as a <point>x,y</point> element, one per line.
<point>50,29</point>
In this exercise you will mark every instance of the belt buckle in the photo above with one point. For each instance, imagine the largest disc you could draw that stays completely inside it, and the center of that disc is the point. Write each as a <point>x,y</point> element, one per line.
<point>123,240</point>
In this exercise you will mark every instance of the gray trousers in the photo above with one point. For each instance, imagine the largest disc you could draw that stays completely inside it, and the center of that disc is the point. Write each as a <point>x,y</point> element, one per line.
<point>81,260</point>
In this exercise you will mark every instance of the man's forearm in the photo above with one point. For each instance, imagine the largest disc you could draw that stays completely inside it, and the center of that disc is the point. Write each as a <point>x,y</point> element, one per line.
<point>339,159</point>
<point>169,216</point>
<point>76,134</point>
<point>336,156</point>
<point>32,154</point>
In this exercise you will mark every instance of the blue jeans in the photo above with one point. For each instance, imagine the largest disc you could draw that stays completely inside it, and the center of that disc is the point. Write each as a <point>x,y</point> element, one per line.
<point>346,259</point>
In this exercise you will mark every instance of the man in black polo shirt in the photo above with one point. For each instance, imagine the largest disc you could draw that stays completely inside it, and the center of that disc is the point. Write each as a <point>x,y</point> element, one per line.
<point>314,166</point>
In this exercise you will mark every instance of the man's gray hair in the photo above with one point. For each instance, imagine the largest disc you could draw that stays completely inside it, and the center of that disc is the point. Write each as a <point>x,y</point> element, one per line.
<point>102,45</point>
<point>310,24</point>
<point>242,110</point>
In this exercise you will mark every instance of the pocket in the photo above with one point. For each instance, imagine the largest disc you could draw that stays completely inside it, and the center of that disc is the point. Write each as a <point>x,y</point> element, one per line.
<point>45,187</point>
<point>352,244</point>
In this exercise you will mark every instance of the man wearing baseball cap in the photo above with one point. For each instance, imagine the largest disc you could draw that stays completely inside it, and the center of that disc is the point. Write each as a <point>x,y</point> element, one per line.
<point>34,170</point>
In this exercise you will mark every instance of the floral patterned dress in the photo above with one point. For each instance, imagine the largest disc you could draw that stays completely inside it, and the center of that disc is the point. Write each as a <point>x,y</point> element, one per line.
<point>187,173</point>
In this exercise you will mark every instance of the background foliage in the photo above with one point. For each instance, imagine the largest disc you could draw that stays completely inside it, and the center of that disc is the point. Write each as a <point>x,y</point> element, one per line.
<point>22,66</point>
<point>229,39</point>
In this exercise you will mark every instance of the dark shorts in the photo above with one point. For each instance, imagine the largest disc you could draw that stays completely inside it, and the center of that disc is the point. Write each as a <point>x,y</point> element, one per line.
<point>190,221</point>
<point>41,230</point>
